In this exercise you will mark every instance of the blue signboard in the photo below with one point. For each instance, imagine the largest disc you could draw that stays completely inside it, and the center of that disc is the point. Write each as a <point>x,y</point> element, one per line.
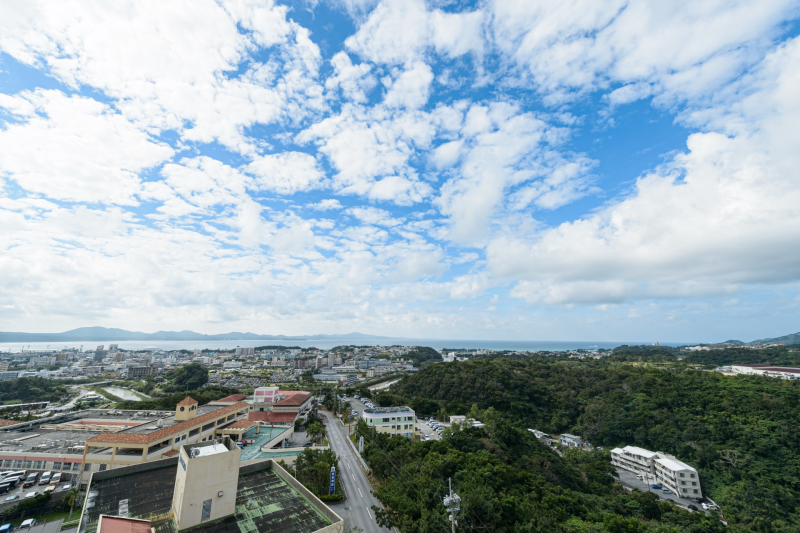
<point>333,479</point>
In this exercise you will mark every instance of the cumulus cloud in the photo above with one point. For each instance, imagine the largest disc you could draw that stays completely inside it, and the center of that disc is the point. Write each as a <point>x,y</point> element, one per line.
<point>287,172</point>
<point>718,216</point>
<point>75,148</point>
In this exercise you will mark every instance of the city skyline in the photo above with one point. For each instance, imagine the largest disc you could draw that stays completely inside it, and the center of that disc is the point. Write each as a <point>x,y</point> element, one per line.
<point>474,170</point>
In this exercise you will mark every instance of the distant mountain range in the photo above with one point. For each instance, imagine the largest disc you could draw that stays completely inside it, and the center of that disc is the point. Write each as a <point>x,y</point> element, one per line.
<point>793,338</point>
<point>98,334</point>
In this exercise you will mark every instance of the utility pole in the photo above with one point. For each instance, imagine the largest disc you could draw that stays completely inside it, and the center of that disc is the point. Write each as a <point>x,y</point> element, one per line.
<point>452,503</point>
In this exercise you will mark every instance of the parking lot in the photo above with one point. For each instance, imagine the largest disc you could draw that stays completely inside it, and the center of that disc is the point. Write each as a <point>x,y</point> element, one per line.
<point>630,480</point>
<point>422,425</point>
<point>16,495</point>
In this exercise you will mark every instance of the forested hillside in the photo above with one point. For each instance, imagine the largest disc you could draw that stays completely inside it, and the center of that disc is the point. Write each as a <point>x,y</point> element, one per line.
<point>742,433</point>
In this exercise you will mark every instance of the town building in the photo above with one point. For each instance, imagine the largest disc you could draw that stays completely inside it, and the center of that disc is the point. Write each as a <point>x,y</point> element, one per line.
<point>571,441</point>
<point>274,406</point>
<point>142,371</point>
<point>205,488</point>
<point>783,372</point>
<point>663,468</point>
<point>542,436</point>
<point>392,420</point>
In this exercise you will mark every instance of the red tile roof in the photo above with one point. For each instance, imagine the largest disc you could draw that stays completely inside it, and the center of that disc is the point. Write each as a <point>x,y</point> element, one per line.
<point>233,398</point>
<point>171,453</point>
<point>241,424</point>
<point>141,438</point>
<point>118,524</point>
<point>272,418</point>
<point>187,401</point>
<point>294,398</point>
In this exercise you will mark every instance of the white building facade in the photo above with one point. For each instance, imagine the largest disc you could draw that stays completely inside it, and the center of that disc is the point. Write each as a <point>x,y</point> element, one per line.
<point>393,420</point>
<point>659,467</point>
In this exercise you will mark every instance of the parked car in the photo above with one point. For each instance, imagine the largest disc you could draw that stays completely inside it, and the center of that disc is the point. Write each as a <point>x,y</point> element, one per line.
<point>709,506</point>
<point>655,486</point>
<point>63,487</point>
<point>4,487</point>
<point>13,481</point>
<point>56,479</point>
<point>6,528</point>
<point>30,481</point>
<point>31,494</point>
<point>665,490</point>
<point>692,507</point>
<point>12,498</point>
<point>27,524</point>
<point>45,479</point>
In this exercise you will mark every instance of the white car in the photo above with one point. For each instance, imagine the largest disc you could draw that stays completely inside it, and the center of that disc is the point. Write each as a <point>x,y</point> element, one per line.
<point>31,494</point>
<point>709,506</point>
<point>27,524</point>
<point>12,498</point>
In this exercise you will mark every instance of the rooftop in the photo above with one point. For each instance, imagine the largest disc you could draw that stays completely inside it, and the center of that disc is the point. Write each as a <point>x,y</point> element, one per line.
<point>635,450</point>
<point>385,410</point>
<point>772,368</point>
<point>233,398</point>
<point>187,401</point>
<point>674,464</point>
<point>265,502</point>
<point>118,524</point>
<point>293,398</point>
<point>144,434</point>
<point>272,418</point>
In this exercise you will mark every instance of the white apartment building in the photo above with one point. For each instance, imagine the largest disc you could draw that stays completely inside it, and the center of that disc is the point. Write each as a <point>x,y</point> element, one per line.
<point>393,420</point>
<point>677,476</point>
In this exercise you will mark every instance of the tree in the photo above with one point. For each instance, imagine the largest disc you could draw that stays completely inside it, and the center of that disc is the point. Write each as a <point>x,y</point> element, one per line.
<point>186,378</point>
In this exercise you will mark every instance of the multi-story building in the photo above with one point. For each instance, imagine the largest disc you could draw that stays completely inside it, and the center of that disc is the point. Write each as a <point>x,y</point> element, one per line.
<point>138,372</point>
<point>677,476</point>
<point>634,459</point>
<point>393,420</point>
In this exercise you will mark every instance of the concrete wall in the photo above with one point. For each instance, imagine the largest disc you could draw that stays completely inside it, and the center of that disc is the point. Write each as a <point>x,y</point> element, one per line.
<point>203,478</point>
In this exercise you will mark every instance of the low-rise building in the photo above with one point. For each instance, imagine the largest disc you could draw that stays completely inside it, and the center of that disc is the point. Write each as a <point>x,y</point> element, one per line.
<point>392,420</point>
<point>572,441</point>
<point>542,436</point>
<point>663,468</point>
<point>771,371</point>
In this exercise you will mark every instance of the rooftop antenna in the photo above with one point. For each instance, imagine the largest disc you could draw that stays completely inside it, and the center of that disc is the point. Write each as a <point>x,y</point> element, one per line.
<point>452,503</point>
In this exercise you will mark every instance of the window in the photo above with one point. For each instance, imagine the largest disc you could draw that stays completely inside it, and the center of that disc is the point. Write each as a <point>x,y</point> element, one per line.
<point>7,463</point>
<point>206,511</point>
<point>57,465</point>
<point>87,467</point>
<point>695,491</point>
<point>67,466</point>
<point>76,466</point>
<point>18,464</point>
<point>684,490</point>
<point>27,465</point>
<point>103,467</point>
<point>683,483</point>
<point>681,474</point>
<point>691,475</point>
<point>37,465</point>
<point>694,483</point>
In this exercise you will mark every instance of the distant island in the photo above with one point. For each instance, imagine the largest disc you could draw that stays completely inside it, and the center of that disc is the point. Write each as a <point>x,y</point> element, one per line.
<point>792,338</point>
<point>101,334</point>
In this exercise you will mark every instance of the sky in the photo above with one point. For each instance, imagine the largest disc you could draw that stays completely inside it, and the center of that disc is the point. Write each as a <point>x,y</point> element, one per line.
<point>517,169</point>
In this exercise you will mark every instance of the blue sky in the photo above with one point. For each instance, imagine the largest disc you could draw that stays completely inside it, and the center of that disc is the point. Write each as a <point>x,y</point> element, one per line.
<point>490,170</point>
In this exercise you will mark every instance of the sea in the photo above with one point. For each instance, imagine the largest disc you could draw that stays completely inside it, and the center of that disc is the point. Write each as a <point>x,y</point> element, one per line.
<point>324,344</point>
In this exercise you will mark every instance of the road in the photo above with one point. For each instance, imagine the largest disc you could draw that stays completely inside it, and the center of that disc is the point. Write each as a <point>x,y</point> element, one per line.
<point>357,510</point>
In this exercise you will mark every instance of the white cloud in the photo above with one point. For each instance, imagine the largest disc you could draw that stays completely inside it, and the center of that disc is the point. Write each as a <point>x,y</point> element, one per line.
<point>147,56</point>
<point>374,216</point>
<point>722,215</point>
<point>400,31</point>
<point>682,50</point>
<point>355,81</point>
<point>287,172</point>
<point>75,148</point>
<point>327,205</point>
<point>411,87</point>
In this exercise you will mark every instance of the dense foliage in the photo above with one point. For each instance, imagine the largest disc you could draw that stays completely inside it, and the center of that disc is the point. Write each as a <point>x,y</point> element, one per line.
<point>34,389</point>
<point>742,433</point>
<point>186,378</point>
<point>314,470</point>
<point>778,355</point>
<point>422,354</point>
<point>509,482</point>
<point>168,403</point>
